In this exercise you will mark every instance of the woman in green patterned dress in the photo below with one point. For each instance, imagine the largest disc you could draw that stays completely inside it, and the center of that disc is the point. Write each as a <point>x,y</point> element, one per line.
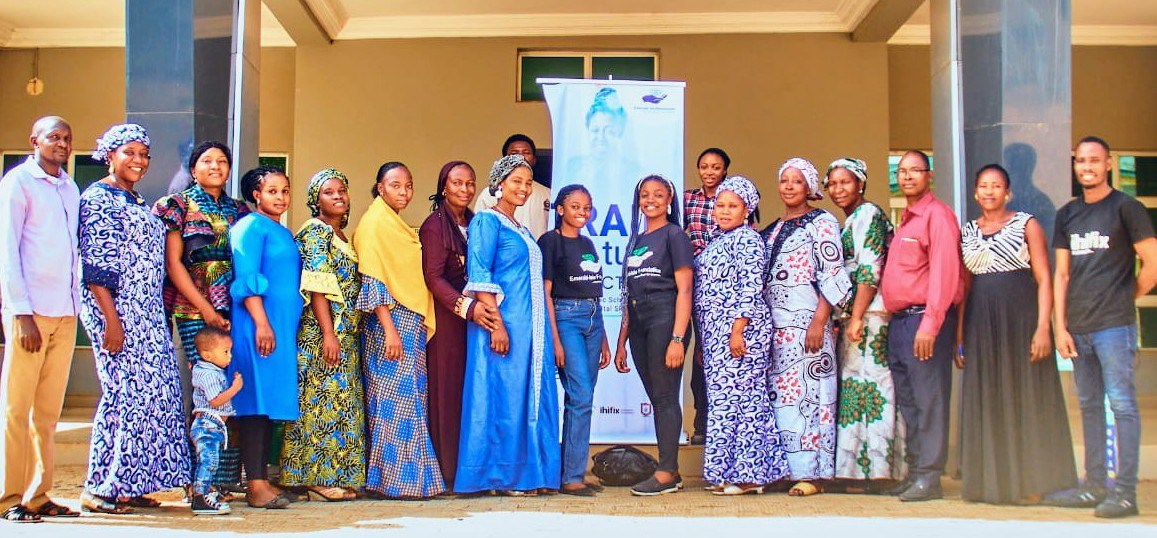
<point>325,448</point>
<point>869,430</point>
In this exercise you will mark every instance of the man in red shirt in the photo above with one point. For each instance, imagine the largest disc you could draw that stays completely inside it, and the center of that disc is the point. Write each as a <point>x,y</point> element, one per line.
<point>921,286</point>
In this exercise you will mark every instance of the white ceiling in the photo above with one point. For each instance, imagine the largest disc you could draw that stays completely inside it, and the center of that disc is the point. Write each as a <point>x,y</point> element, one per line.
<point>93,23</point>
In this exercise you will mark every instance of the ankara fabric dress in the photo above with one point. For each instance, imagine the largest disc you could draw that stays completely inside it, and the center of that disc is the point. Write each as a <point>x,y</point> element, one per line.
<point>510,424</point>
<point>139,441</point>
<point>743,445</point>
<point>1014,433</point>
<point>266,263</point>
<point>806,261</point>
<point>870,432</point>
<point>326,445</point>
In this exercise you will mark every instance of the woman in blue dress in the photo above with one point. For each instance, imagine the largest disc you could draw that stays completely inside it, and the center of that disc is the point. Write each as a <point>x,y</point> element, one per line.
<point>510,439</point>
<point>139,441</point>
<point>743,451</point>
<point>266,312</point>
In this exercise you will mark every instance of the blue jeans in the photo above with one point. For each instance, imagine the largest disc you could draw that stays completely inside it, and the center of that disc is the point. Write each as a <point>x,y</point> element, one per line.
<point>580,328</point>
<point>1104,366</point>
<point>208,434</point>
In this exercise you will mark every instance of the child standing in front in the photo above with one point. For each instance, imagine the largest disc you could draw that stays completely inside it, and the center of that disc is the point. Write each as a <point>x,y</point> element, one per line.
<point>573,278</point>
<point>212,406</point>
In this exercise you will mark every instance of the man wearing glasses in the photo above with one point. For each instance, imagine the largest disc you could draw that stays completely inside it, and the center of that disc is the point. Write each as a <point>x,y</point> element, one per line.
<point>921,286</point>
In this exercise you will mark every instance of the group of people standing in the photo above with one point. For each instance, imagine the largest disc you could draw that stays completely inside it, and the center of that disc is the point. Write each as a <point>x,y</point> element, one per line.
<point>411,363</point>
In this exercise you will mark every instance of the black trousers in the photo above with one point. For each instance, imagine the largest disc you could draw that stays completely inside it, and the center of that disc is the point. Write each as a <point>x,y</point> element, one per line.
<point>923,391</point>
<point>255,434</point>
<point>652,320</point>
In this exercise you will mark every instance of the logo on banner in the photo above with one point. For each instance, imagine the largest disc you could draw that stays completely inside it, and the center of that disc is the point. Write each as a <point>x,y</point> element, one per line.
<point>655,97</point>
<point>645,409</point>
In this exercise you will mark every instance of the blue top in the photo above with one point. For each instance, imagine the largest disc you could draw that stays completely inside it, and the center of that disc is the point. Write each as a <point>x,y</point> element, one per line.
<point>209,381</point>
<point>266,263</point>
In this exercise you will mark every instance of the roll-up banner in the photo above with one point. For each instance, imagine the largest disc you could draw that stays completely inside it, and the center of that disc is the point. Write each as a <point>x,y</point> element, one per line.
<point>607,136</point>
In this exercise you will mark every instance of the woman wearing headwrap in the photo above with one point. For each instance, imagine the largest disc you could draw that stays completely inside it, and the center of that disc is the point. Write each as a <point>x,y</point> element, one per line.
<point>267,308</point>
<point>805,280</point>
<point>139,441</point>
<point>325,448</point>
<point>870,433</point>
<point>443,237</point>
<point>743,449</point>
<point>399,320</point>
<point>510,432</point>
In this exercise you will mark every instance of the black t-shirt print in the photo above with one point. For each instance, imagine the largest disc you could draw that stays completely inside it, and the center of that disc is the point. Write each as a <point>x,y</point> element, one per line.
<point>1100,238</point>
<point>652,262</point>
<point>572,265</point>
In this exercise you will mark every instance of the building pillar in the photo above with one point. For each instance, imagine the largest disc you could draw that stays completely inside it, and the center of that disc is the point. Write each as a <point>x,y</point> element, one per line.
<point>186,63</point>
<point>1013,59</point>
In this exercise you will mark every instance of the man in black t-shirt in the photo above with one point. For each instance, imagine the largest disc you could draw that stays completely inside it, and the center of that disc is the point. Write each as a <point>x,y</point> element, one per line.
<point>1097,240</point>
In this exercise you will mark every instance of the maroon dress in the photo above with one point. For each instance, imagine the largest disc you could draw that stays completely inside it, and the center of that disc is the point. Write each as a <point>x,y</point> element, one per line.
<point>443,262</point>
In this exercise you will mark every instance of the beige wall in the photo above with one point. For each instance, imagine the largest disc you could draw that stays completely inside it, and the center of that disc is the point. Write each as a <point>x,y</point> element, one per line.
<point>87,87</point>
<point>1114,96</point>
<point>763,98</point>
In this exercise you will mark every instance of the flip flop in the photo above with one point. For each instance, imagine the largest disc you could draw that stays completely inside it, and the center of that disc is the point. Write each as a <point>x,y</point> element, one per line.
<point>101,505</point>
<point>804,489</point>
<point>51,509</point>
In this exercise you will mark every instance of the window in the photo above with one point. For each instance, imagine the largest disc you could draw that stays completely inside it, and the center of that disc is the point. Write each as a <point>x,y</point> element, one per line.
<point>622,65</point>
<point>1135,174</point>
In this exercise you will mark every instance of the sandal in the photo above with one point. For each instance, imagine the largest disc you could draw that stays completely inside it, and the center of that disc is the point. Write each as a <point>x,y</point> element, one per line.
<point>90,502</point>
<point>141,501</point>
<point>20,514</point>
<point>278,502</point>
<point>741,489</point>
<point>328,494</point>
<point>804,489</point>
<point>518,493</point>
<point>51,509</point>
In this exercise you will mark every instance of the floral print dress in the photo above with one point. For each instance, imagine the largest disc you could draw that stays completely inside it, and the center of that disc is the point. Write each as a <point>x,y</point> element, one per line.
<point>806,261</point>
<point>870,431</point>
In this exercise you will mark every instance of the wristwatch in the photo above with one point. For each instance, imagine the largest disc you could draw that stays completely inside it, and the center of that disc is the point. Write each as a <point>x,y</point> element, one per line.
<point>677,338</point>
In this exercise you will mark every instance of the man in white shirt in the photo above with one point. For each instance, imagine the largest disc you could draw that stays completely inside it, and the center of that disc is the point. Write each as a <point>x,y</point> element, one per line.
<point>535,214</point>
<point>40,287</point>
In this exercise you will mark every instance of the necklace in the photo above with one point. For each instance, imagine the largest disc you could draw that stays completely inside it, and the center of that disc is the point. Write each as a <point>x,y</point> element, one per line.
<point>113,183</point>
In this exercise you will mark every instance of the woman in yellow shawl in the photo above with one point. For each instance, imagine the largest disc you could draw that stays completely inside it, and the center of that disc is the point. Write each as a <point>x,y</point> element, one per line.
<point>400,319</point>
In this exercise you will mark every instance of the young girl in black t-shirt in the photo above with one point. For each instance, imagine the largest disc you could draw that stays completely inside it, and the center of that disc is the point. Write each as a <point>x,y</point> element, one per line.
<point>657,278</point>
<point>573,277</point>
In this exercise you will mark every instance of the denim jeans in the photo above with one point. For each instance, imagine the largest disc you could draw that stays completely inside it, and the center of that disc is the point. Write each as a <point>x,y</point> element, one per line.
<point>1104,366</point>
<point>209,435</point>
<point>652,320</point>
<point>580,328</point>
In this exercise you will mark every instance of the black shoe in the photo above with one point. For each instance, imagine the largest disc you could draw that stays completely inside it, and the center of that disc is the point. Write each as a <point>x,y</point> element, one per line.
<point>1085,496</point>
<point>1117,505</point>
<point>698,439</point>
<point>209,504</point>
<point>923,490</point>
<point>651,486</point>
<point>899,488</point>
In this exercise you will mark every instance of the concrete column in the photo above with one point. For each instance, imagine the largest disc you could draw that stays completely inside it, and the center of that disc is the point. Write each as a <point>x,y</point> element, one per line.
<point>245,89</point>
<point>180,76</point>
<point>1015,94</point>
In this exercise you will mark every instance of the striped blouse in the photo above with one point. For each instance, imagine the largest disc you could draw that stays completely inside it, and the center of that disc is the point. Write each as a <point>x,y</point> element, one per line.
<point>1005,250</point>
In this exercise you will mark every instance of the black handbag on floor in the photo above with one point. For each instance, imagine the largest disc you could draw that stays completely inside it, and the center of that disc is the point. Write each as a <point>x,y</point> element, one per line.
<point>623,465</point>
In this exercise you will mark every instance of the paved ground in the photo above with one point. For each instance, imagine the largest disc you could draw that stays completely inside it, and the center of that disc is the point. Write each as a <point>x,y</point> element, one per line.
<point>613,513</point>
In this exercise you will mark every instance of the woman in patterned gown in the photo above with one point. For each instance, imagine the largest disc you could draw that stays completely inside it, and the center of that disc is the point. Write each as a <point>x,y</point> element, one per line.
<point>870,432</point>
<point>1014,434</point>
<point>325,448</point>
<point>399,320</point>
<point>743,450</point>
<point>510,428</point>
<point>805,280</point>
<point>139,441</point>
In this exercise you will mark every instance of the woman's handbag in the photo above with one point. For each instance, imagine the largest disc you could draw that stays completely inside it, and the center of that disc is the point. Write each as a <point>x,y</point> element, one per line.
<point>623,465</point>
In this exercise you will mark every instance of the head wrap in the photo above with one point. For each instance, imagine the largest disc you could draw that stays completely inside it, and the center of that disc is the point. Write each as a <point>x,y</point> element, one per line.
<point>313,192</point>
<point>857,167</point>
<point>502,168</point>
<point>809,173</point>
<point>117,136</point>
<point>744,189</point>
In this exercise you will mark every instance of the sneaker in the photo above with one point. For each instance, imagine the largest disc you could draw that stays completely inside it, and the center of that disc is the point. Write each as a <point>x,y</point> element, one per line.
<point>210,504</point>
<point>1084,496</point>
<point>651,486</point>
<point>1117,505</point>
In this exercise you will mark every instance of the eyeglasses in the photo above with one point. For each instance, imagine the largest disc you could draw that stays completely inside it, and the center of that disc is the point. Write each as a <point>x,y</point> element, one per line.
<point>904,172</point>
